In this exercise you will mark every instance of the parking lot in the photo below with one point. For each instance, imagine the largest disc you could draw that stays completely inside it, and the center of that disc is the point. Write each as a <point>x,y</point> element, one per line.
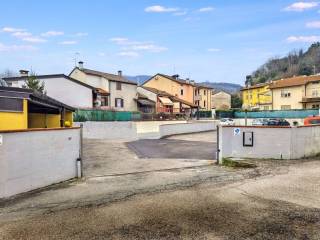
<point>126,197</point>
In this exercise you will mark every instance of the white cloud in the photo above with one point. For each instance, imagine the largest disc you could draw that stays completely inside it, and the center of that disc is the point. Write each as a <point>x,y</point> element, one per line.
<point>81,34</point>
<point>68,42</point>
<point>52,34</point>
<point>119,40</point>
<point>148,47</point>
<point>160,9</point>
<point>12,30</point>
<point>214,50</point>
<point>314,24</point>
<point>21,34</point>
<point>206,9</point>
<point>128,54</point>
<point>14,48</point>
<point>303,39</point>
<point>34,39</point>
<point>182,13</point>
<point>301,6</point>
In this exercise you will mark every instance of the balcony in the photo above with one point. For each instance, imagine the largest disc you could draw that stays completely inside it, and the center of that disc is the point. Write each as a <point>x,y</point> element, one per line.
<point>310,99</point>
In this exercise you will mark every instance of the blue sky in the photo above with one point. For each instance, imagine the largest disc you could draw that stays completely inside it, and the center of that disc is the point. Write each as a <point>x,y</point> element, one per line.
<point>218,41</point>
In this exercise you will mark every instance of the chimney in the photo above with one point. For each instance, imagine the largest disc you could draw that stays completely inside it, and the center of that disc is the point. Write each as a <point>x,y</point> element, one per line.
<point>120,73</point>
<point>192,82</point>
<point>188,80</point>
<point>80,64</point>
<point>24,73</point>
<point>176,76</point>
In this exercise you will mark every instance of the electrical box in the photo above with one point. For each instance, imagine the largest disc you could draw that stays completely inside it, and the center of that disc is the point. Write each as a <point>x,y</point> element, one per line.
<point>248,139</point>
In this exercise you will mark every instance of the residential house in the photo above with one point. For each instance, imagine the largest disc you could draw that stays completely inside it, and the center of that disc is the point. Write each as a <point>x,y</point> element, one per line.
<point>221,100</point>
<point>151,100</point>
<point>64,88</point>
<point>22,108</point>
<point>300,92</point>
<point>119,92</point>
<point>183,89</point>
<point>257,96</point>
<point>202,97</point>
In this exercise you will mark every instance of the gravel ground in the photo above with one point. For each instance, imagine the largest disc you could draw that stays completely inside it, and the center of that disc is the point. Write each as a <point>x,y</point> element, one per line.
<point>276,200</point>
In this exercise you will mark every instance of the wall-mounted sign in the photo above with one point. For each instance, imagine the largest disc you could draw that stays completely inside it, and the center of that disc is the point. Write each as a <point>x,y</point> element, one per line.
<point>1,139</point>
<point>248,139</point>
<point>236,131</point>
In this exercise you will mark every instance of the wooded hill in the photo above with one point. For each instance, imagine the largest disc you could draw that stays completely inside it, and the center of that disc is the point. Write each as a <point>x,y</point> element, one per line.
<point>295,63</point>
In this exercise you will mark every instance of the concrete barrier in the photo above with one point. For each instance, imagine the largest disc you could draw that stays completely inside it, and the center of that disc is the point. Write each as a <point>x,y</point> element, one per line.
<point>270,142</point>
<point>241,121</point>
<point>109,130</point>
<point>129,131</point>
<point>182,128</point>
<point>38,158</point>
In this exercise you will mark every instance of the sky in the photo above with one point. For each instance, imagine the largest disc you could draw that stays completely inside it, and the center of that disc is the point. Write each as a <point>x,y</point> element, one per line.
<point>216,41</point>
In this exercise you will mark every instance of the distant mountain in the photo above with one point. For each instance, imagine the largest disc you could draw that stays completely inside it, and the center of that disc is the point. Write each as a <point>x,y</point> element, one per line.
<point>140,79</point>
<point>220,86</point>
<point>226,87</point>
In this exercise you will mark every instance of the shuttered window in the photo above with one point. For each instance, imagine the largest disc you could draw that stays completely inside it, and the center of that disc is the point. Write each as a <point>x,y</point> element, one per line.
<point>11,104</point>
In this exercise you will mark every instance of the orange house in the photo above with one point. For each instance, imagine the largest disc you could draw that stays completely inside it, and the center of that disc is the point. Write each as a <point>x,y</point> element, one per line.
<point>183,89</point>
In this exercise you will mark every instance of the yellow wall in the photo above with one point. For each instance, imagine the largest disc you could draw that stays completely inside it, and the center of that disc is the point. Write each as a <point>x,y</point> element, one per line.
<point>17,120</point>
<point>256,96</point>
<point>294,101</point>
<point>39,120</point>
<point>165,84</point>
<point>69,117</point>
<point>205,96</point>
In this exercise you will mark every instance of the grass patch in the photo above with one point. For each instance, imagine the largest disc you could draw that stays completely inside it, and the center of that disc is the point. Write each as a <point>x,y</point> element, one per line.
<point>228,162</point>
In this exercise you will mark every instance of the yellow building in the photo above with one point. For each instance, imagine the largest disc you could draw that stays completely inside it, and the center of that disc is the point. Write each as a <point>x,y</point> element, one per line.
<point>202,97</point>
<point>257,97</point>
<point>22,109</point>
<point>301,92</point>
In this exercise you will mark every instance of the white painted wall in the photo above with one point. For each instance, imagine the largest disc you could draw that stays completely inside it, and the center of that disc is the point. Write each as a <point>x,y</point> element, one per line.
<point>129,131</point>
<point>270,142</point>
<point>150,95</point>
<point>35,159</point>
<point>128,93</point>
<point>65,91</point>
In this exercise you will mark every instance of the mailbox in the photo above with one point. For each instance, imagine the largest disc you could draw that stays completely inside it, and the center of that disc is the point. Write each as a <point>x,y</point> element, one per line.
<point>248,139</point>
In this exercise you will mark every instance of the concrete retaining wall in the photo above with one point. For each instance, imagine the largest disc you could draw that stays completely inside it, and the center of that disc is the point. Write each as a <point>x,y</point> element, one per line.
<point>109,130</point>
<point>129,131</point>
<point>241,121</point>
<point>270,142</point>
<point>35,159</point>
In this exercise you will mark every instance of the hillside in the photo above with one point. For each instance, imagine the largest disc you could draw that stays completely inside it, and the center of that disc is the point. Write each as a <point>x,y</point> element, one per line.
<point>227,87</point>
<point>297,62</point>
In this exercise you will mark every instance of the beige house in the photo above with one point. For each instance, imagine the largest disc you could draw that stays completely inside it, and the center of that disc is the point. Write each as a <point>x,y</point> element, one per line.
<point>202,97</point>
<point>302,92</point>
<point>221,100</point>
<point>114,90</point>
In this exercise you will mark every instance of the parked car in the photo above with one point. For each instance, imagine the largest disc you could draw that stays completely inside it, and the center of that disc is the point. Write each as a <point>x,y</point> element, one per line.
<point>277,122</point>
<point>315,120</point>
<point>259,122</point>
<point>227,122</point>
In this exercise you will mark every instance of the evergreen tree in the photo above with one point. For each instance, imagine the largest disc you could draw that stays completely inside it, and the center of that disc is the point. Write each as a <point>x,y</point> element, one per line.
<point>33,83</point>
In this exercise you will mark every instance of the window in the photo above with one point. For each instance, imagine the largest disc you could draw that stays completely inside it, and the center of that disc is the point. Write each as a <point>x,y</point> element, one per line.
<point>204,103</point>
<point>204,92</point>
<point>118,87</point>
<point>195,92</point>
<point>315,106</point>
<point>181,92</point>
<point>119,102</point>
<point>11,104</point>
<point>265,107</point>
<point>104,101</point>
<point>285,107</point>
<point>285,93</point>
<point>315,93</point>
